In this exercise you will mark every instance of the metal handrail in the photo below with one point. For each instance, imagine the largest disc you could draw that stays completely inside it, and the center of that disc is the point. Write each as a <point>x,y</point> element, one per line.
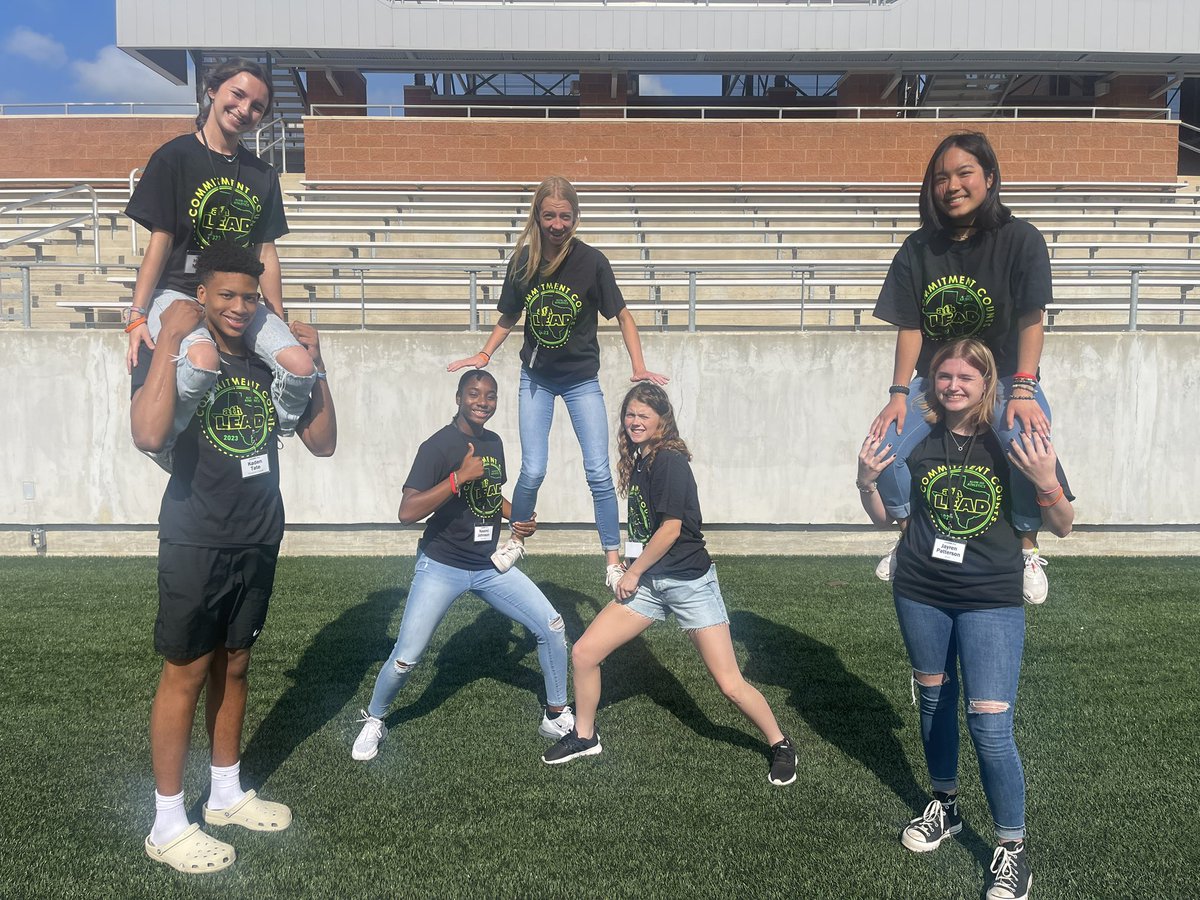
<point>281,140</point>
<point>800,112</point>
<point>110,107</point>
<point>133,241</point>
<point>693,276</point>
<point>58,226</point>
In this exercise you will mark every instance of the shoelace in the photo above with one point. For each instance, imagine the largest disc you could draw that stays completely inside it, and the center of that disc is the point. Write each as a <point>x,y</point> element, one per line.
<point>931,820</point>
<point>1036,561</point>
<point>1004,867</point>
<point>364,717</point>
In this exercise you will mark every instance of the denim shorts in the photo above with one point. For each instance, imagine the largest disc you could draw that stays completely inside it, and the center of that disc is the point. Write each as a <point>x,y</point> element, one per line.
<point>696,603</point>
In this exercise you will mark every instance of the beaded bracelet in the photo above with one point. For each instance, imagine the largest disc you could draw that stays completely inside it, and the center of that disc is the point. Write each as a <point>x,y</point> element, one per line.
<point>870,489</point>
<point>898,389</point>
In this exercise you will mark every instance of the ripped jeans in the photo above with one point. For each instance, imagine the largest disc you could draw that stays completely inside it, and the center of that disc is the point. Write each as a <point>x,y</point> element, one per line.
<point>435,586</point>
<point>266,337</point>
<point>986,645</point>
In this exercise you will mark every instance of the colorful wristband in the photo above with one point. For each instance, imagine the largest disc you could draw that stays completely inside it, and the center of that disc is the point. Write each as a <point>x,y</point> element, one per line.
<point>135,324</point>
<point>453,483</point>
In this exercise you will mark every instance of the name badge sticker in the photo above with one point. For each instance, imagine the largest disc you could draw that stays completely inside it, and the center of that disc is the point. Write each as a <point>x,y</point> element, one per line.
<point>255,465</point>
<point>483,533</point>
<point>949,551</point>
<point>633,549</point>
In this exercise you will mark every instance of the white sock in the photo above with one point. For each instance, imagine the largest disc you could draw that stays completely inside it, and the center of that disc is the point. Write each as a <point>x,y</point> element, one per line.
<point>226,790</point>
<point>170,819</point>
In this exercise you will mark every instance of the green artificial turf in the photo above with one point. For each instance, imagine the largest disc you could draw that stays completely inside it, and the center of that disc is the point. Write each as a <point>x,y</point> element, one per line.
<point>457,803</point>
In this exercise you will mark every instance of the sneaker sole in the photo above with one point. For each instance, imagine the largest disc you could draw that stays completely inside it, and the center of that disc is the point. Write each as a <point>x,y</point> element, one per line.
<point>927,847</point>
<point>791,780</point>
<point>1025,896</point>
<point>590,751</point>
<point>354,754</point>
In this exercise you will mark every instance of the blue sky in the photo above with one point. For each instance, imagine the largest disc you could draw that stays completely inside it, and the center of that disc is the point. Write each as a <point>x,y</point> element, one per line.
<point>59,50</point>
<point>55,51</point>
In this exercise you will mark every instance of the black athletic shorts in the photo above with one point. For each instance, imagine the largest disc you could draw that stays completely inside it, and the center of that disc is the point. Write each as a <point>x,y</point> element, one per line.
<point>210,597</point>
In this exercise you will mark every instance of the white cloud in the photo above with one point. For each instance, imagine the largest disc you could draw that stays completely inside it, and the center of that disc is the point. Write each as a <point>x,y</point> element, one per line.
<point>40,48</point>
<point>115,75</point>
<point>654,86</point>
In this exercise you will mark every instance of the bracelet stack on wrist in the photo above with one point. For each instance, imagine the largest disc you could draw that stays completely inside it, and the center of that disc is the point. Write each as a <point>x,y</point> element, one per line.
<point>1025,382</point>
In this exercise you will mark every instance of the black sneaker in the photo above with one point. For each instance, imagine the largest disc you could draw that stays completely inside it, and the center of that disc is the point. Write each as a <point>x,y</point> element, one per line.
<point>939,821</point>
<point>1010,865</point>
<point>783,762</point>
<point>572,746</point>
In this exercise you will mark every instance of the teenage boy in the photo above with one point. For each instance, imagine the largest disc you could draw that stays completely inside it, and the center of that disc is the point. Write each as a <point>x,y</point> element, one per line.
<point>220,525</point>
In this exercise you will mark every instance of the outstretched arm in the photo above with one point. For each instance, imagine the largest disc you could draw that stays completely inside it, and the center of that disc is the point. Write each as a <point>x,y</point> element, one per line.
<point>633,345</point>
<point>504,325</point>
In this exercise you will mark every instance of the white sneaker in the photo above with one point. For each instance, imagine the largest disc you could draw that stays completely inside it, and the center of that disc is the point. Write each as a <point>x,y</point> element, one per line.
<point>559,727</point>
<point>613,574</point>
<point>1035,585</point>
<point>507,555</point>
<point>366,745</point>
<point>886,569</point>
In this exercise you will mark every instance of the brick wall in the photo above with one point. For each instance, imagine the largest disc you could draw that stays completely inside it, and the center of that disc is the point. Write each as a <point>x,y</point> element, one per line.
<point>477,150</point>
<point>83,146</point>
<point>427,149</point>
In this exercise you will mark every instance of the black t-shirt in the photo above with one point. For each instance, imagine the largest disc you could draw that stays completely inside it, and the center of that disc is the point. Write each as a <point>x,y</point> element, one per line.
<point>973,507</point>
<point>561,314</point>
<point>200,198</point>
<point>212,500</point>
<point>974,288</point>
<point>667,488</point>
<point>449,534</point>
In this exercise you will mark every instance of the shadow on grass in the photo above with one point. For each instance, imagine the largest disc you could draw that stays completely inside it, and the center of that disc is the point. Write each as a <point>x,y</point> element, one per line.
<point>326,678</point>
<point>634,671</point>
<point>486,648</point>
<point>839,707</point>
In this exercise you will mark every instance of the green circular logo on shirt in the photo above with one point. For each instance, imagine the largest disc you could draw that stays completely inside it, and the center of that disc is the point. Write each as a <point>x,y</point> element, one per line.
<point>483,494</point>
<point>552,309</point>
<point>962,503</point>
<point>956,307</point>
<point>238,417</point>
<point>223,209</point>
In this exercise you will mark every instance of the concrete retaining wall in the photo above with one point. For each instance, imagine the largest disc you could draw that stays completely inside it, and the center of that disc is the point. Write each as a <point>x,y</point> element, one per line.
<point>774,419</point>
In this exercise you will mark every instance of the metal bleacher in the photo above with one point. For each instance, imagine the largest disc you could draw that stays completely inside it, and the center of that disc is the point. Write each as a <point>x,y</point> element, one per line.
<point>387,254</point>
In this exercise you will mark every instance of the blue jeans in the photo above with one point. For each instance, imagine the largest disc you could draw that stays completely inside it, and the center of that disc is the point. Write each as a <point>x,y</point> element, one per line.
<point>585,406</point>
<point>266,337</point>
<point>895,482</point>
<point>986,644</point>
<point>435,587</point>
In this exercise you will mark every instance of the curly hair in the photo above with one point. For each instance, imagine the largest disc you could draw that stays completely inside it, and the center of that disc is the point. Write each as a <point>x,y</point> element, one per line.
<point>979,357</point>
<point>226,256</point>
<point>667,437</point>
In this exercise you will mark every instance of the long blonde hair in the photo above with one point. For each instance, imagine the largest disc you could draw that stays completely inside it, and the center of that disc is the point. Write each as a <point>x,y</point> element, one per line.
<point>667,438</point>
<point>530,241</point>
<point>977,356</point>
